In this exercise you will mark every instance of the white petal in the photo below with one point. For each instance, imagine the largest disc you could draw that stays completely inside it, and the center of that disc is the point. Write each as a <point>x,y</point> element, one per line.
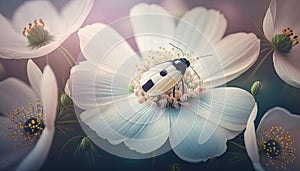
<point>15,93</point>
<point>95,86</point>
<point>236,53</point>
<point>287,13</point>
<point>152,137</point>
<point>34,76</point>
<point>49,97</point>
<point>210,23</point>
<point>278,116</point>
<point>126,118</point>
<point>190,150</point>
<point>250,138</point>
<point>74,14</point>
<point>287,67</point>
<point>34,10</point>
<point>114,49</point>
<point>269,20</point>
<point>88,32</point>
<point>182,122</point>
<point>7,147</point>
<point>9,36</point>
<point>152,25</point>
<point>227,107</point>
<point>35,159</point>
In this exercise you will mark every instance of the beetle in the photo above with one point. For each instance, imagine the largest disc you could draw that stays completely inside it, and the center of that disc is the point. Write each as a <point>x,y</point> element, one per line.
<point>164,76</point>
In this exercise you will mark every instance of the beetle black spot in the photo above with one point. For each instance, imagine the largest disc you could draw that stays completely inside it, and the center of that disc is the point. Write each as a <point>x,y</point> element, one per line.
<point>163,73</point>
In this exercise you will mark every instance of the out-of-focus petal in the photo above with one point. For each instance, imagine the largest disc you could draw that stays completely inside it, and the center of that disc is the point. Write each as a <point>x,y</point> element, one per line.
<point>15,93</point>
<point>250,141</point>
<point>49,92</point>
<point>269,20</point>
<point>34,75</point>
<point>36,158</point>
<point>287,67</point>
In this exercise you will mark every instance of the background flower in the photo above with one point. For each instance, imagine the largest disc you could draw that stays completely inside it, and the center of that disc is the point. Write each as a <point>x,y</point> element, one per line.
<point>37,28</point>
<point>275,144</point>
<point>27,153</point>
<point>282,15</point>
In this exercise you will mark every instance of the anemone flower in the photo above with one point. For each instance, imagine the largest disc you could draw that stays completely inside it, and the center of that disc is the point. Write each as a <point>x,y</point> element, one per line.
<point>37,28</point>
<point>27,120</point>
<point>281,26</point>
<point>194,117</point>
<point>274,144</point>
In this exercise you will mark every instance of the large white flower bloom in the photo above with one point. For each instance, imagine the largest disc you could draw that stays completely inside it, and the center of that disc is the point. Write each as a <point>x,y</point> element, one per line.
<point>198,123</point>
<point>37,28</point>
<point>281,26</point>
<point>275,144</point>
<point>27,120</point>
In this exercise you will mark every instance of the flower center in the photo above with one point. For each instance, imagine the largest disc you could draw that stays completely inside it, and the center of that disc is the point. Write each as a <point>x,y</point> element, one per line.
<point>180,94</point>
<point>26,123</point>
<point>272,148</point>
<point>284,42</point>
<point>278,147</point>
<point>36,34</point>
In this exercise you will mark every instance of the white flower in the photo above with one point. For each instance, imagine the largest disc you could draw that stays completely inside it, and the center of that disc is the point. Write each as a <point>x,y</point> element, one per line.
<point>27,120</point>
<point>37,28</point>
<point>281,27</point>
<point>275,144</point>
<point>196,121</point>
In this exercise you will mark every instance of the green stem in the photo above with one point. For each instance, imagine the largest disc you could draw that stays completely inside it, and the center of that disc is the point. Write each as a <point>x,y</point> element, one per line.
<point>71,139</point>
<point>65,122</point>
<point>66,56</point>
<point>260,63</point>
<point>238,145</point>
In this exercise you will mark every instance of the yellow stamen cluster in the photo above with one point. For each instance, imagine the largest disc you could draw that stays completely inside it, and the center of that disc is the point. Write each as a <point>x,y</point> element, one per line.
<point>290,33</point>
<point>279,148</point>
<point>36,24</point>
<point>26,123</point>
<point>174,97</point>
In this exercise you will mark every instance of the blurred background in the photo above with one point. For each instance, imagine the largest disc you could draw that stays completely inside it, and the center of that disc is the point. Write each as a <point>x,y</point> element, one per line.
<point>241,15</point>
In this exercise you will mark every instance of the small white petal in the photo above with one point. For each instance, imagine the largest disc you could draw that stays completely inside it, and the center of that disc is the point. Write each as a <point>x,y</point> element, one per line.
<point>269,20</point>
<point>152,25</point>
<point>287,67</point>
<point>287,13</point>
<point>15,93</point>
<point>250,139</point>
<point>49,92</point>
<point>236,53</point>
<point>75,12</point>
<point>36,158</point>
<point>34,75</point>
<point>9,36</point>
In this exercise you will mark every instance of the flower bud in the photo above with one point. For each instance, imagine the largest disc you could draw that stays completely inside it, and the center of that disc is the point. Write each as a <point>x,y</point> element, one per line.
<point>256,86</point>
<point>65,99</point>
